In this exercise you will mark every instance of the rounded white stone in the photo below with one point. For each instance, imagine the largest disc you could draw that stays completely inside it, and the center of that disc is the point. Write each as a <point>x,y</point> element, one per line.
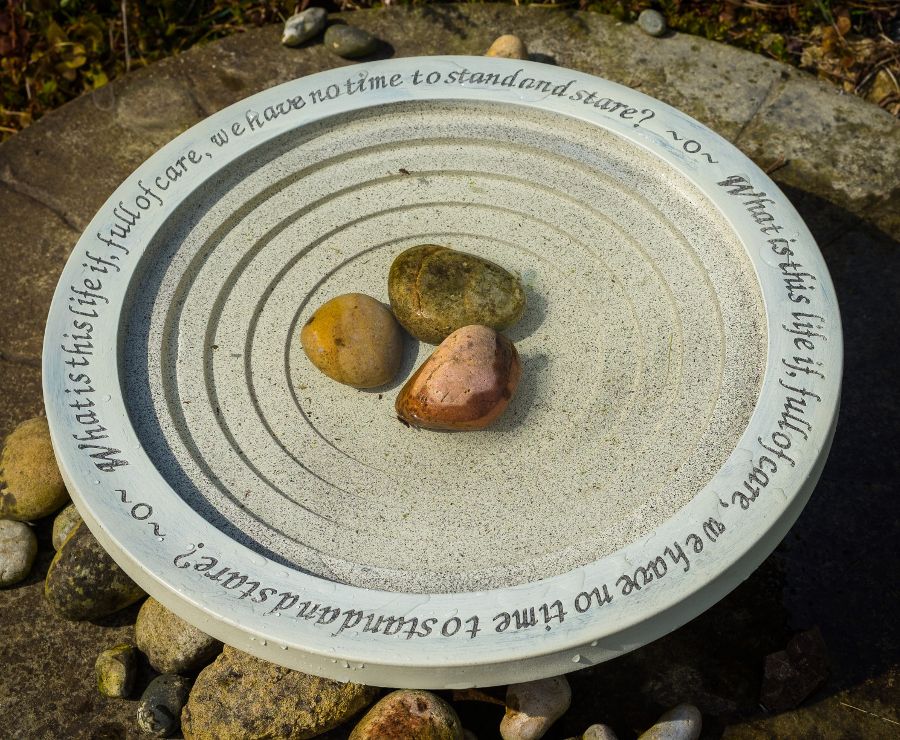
<point>599,732</point>
<point>303,26</point>
<point>683,722</point>
<point>532,707</point>
<point>18,548</point>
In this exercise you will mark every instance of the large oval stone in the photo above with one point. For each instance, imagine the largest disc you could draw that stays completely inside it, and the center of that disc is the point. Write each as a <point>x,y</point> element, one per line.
<point>466,383</point>
<point>84,582</point>
<point>239,696</point>
<point>411,715</point>
<point>31,486</point>
<point>171,644</point>
<point>354,340</point>
<point>436,290</point>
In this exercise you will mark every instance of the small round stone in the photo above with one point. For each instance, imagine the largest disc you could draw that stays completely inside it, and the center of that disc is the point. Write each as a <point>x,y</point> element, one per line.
<point>18,547</point>
<point>532,707</point>
<point>303,26</point>
<point>436,290</point>
<point>599,732</point>
<point>652,22</point>
<point>171,644</point>
<point>116,669</point>
<point>684,722</point>
<point>240,696</point>
<point>159,711</point>
<point>31,486</point>
<point>509,47</point>
<point>84,582</point>
<point>466,383</point>
<point>412,715</point>
<point>65,522</point>
<point>350,42</point>
<point>354,340</point>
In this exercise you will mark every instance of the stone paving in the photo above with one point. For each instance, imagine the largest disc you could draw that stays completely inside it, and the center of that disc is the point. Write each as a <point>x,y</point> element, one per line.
<point>835,570</point>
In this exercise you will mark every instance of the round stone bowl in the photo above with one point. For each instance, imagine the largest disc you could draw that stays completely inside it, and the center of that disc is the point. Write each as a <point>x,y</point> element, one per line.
<point>681,352</point>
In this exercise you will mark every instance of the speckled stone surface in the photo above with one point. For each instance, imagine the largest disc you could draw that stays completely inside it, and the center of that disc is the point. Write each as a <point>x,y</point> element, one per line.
<point>837,148</point>
<point>84,582</point>
<point>635,289</point>
<point>240,696</point>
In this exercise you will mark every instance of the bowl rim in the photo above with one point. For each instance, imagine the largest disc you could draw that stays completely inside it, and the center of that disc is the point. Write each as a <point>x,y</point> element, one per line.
<point>584,616</point>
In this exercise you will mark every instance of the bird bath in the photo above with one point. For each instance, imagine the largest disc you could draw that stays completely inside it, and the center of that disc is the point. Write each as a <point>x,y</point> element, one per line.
<point>681,353</point>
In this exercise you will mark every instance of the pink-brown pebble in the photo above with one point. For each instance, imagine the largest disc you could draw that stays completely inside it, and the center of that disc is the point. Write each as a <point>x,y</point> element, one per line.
<point>465,384</point>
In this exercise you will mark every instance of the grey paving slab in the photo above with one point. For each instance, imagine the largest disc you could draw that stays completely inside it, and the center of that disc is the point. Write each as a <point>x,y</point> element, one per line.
<point>30,284</point>
<point>20,398</point>
<point>842,174</point>
<point>834,145</point>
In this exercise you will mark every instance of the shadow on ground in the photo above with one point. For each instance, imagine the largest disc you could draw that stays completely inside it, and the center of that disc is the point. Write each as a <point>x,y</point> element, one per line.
<point>835,568</point>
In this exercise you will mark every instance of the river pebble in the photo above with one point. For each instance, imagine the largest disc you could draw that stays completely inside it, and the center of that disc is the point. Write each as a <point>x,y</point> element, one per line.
<point>31,486</point>
<point>652,22</point>
<point>411,715</point>
<point>303,26</point>
<point>159,711</point>
<point>436,290</point>
<point>84,582</point>
<point>64,524</point>
<point>350,42</point>
<point>18,548</point>
<point>354,340</point>
<point>116,669</point>
<point>239,696</point>
<point>465,384</point>
<point>684,722</point>
<point>171,644</point>
<point>599,732</point>
<point>509,47</point>
<point>532,707</point>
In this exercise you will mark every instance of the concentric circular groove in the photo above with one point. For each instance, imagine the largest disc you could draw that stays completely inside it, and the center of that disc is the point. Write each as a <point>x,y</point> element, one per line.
<point>653,377</point>
<point>619,288</point>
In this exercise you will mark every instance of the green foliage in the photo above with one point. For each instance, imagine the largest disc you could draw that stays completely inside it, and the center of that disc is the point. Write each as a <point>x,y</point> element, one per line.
<point>51,52</point>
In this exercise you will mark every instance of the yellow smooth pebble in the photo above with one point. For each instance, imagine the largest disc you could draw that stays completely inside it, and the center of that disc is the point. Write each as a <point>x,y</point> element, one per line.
<point>509,47</point>
<point>354,340</point>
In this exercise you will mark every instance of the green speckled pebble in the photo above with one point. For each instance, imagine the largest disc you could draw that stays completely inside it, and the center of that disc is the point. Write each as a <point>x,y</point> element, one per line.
<point>436,290</point>
<point>349,42</point>
<point>84,582</point>
<point>65,522</point>
<point>116,668</point>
